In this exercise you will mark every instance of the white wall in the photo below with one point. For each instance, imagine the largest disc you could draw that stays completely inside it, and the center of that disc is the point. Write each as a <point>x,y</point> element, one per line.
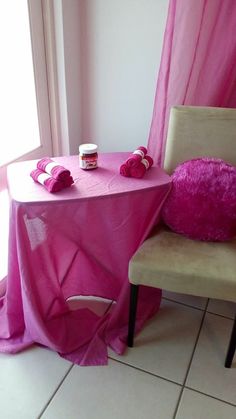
<point>118,52</point>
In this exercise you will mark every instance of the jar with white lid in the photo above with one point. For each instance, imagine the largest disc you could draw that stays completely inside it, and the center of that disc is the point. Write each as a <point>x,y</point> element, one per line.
<point>88,156</point>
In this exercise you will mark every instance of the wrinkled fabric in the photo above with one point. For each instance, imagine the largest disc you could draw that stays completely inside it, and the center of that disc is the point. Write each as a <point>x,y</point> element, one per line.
<point>77,242</point>
<point>197,65</point>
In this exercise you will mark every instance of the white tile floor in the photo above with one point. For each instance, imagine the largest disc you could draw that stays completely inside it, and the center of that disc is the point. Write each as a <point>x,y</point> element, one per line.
<point>175,370</point>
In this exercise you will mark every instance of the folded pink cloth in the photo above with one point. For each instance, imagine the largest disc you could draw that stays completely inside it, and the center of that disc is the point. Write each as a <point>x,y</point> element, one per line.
<point>140,170</point>
<point>53,168</point>
<point>49,182</point>
<point>149,159</point>
<point>68,181</point>
<point>124,170</point>
<point>136,156</point>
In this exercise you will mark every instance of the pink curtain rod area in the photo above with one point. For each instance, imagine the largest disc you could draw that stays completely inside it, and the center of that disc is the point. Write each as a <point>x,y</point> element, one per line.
<point>197,65</point>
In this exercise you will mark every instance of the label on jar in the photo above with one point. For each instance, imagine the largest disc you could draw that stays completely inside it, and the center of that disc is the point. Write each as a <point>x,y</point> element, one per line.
<point>88,162</point>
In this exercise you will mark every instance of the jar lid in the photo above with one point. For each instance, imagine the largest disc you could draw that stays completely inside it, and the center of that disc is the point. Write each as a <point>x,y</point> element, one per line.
<point>88,148</point>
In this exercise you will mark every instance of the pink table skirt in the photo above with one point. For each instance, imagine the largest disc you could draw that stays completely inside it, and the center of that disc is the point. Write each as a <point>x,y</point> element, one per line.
<point>77,242</point>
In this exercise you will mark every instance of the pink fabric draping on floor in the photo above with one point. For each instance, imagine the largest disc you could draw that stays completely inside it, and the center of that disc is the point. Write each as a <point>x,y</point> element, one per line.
<point>197,65</point>
<point>76,242</point>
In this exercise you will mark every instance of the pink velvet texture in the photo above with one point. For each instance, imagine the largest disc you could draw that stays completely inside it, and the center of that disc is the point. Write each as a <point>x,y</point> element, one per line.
<point>202,202</point>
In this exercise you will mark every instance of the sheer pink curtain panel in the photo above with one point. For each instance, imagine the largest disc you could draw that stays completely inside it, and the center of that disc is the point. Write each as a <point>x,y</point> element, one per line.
<point>198,64</point>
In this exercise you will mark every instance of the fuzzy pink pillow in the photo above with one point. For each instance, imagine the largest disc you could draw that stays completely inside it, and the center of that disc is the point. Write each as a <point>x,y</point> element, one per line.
<point>202,202</point>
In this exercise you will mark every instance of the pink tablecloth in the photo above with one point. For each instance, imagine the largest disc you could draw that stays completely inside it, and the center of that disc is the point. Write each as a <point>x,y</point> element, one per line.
<point>76,242</point>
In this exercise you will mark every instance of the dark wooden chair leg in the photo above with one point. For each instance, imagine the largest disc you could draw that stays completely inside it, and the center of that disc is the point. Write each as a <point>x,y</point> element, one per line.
<point>132,313</point>
<point>231,348</point>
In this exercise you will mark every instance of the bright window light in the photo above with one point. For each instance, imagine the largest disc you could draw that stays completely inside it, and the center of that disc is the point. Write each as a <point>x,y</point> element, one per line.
<point>19,130</point>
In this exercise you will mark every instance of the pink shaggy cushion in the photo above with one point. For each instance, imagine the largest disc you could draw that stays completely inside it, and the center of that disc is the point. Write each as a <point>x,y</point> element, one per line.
<point>202,202</point>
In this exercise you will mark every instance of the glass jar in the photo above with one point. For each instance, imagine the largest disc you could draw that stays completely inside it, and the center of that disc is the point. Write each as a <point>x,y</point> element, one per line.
<point>88,156</point>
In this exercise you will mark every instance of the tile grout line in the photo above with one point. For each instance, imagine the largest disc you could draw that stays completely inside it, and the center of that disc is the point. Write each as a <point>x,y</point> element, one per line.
<point>225,316</point>
<point>185,304</point>
<point>63,379</point>
<point>220,315</point>
<point>145,371</point>
<point>198,391</point>
<point>54,393</point>
<point>209,395</point>
<point>183,386</point>
<point>205,312</point>
<point>190,362</point>
<point>171,381</point>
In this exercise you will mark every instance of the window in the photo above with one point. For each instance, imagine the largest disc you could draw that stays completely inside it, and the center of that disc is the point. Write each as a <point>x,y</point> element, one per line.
<point>25,131</point>
<point>24,105</point>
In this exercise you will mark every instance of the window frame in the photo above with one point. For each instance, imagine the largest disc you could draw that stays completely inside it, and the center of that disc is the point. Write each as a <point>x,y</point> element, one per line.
<point>38,46</point>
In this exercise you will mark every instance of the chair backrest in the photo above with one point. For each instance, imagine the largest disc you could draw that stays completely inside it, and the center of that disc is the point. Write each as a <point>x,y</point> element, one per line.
<point>196,131</point>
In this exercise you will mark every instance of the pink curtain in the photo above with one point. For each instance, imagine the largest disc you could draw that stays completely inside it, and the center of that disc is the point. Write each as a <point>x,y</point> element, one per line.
<point>198,64</point>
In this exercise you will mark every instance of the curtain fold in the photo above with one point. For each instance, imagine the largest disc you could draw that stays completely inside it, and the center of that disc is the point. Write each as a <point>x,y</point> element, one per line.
<point>198,63</point>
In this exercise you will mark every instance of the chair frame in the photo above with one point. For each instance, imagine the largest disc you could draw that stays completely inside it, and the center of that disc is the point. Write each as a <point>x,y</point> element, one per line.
<point>134,290</point>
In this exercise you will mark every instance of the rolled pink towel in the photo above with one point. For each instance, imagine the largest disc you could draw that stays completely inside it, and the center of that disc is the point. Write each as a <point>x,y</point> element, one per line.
<point>49,182</point>
<point>140,170</point>
<point>68,181</point>
<point>53,168</point>
<point>149,160</point>
<point>136,156</point>
<point>124,170</point>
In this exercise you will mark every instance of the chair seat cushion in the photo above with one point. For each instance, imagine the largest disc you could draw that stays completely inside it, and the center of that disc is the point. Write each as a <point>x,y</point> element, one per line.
<point>202,202</point>
<point>175,263</point>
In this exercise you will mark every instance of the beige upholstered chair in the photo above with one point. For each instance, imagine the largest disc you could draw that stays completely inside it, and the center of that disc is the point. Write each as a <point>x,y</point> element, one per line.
<point>170,261</point>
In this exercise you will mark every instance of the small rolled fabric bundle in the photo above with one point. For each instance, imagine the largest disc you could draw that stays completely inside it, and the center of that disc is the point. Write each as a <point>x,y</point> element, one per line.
<point>49,182</point>
<point>140,170</point>
<point>148,159</point>
<point>53,169</point>
<point>133,161</point>
<point>136,156</point>
<point>125,170</point>
<point>68,181</point>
